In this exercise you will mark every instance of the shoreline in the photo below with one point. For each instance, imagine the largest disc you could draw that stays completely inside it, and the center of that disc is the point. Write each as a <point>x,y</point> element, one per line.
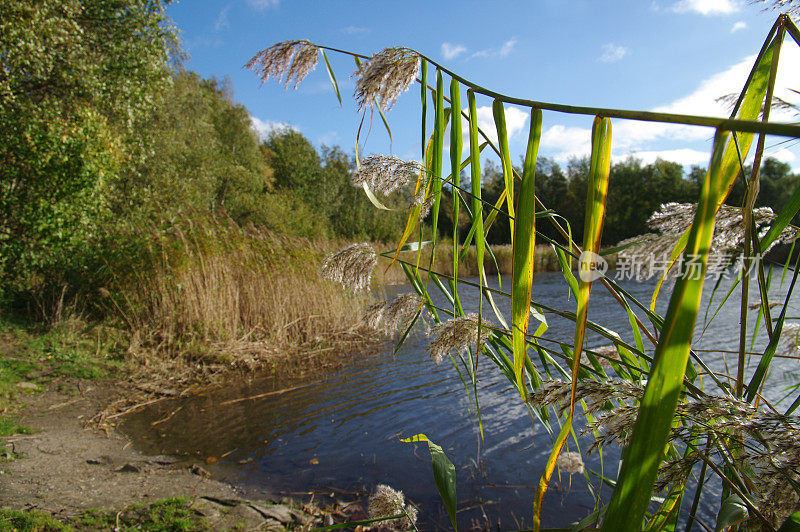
<point>66,468</point>
<point>64,461</point>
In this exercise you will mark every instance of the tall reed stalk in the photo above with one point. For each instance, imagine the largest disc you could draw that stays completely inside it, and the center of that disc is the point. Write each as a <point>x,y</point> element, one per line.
<point>665,420</point>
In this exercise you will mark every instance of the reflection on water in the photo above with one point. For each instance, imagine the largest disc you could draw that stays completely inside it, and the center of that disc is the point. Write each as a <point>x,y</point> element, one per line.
<point>343,431</point>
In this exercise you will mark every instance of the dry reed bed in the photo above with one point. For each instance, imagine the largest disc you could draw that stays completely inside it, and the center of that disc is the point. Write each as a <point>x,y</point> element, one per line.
<point>213,294</point>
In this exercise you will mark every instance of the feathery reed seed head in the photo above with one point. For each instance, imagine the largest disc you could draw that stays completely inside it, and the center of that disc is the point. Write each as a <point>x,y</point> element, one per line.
<point>614,425</point>
<point>292,59</point>
<point>671,220</point>
<point>791,336</point>
<point>605,354</point>
<point>790,7</point>
<point>570,463</point>
<point>385,76</point>
<point>385,174</point>
<point>458,334</point>
<point>387,502</point>
<point>395,314</point>
<point>422,201</point>
<point>596,394</point>
<point>352,266</point>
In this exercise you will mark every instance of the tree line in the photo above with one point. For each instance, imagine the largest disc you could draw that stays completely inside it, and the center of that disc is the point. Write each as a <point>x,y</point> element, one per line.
<point>636,190</point>
<point>104,132</point>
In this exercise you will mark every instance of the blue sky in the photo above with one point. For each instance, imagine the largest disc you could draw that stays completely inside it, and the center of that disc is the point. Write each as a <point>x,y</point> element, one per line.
<point>666,55</point>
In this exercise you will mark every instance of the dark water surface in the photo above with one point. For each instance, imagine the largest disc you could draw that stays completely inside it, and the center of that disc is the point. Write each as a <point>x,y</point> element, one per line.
<point>342,432</point>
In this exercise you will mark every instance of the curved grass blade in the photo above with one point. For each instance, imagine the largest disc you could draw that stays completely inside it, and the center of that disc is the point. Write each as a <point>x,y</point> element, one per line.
<point>751,100</point>
<point>423,74</point>
<point>599,172</point>
<point>456,147</point>
<point>439,125</point>
<point>385,121</point>
<point>751,191</point>
<point>444,474</point>
<point>680,245</point>
<point>331,76</point>
<point>548,472</point>
<point>566,271</point>
<point>645,452</point>
<point>769,353</point>
<point>373,199</point>
<point>523,246</point>
<point>505,157</point>
<point>475,174</point>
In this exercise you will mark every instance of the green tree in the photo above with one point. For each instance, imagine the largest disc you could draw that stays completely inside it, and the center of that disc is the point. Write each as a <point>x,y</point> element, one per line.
<point>201,153</point>
<point>74,78</point>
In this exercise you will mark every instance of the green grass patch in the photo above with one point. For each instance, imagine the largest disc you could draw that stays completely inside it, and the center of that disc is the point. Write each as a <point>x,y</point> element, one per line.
<point>172,515</point>
<point>12,371</point>
<point>74,349</point>
<point>9,427</point>
<point>30,521</point>
<point>69,348</point>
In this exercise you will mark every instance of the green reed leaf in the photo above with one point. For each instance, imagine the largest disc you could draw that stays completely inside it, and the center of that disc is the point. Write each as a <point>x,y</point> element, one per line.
<point>599,172</point>
<point>331,76</point>
<point>384,120</point>
<point>475,174</point>
<point>651,431</point>
<point>423,75</point>
<point>439,125</point>
<point>456,147</point>
<point>523,245</point>
<point>505,157</point>
<point>766,359</point>
<point>792,523</point>
<point>750,108</point>
<point>444,474</point>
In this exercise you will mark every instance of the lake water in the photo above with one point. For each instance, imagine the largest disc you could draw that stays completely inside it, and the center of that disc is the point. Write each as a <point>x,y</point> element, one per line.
<point>341,433</point>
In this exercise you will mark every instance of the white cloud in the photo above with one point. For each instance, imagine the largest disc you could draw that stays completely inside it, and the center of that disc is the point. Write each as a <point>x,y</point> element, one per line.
<point>451,51</point>
<point>642,139</point>
<point>222,19</point>
<point>702,101</point>
<point>740,25</point>
<point>566,142</point>
<point>263,4</point>
<point>684,156</point>
<point>264,127</point>
<point>613,53</point>
<point>507,47</point>
<point>356,30</point>
<point>329,138</point>
<point>706,7</point>
<point>504,50</point>
<point>782,154</point>
<point>515,121</point>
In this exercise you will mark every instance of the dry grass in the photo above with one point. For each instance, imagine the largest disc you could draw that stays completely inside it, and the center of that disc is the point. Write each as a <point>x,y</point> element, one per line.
<point>212,293</point>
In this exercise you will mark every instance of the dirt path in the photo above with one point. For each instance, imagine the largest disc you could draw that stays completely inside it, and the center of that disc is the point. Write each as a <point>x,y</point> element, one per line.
<point>65,468</point>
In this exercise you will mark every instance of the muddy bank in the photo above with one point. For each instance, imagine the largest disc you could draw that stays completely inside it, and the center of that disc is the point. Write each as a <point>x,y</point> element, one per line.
<point>67,467</point>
